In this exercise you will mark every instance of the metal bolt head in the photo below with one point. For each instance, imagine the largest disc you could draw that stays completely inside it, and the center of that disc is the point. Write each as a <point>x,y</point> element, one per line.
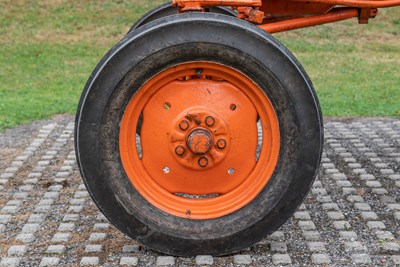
<point>210,121</point>
<point>180,150</point>
<point>166,170</point>
<point>184,125</point>
<point>231,171</point>
<point>221,143</point>
<point>203,162</point>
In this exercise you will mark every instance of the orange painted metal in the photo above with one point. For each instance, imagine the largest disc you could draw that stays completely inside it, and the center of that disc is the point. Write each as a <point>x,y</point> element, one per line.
<point>182,113</point>
<point>357,3</point>
<point>190,5</point>
<point>284,15</point>
<point>291,24</point>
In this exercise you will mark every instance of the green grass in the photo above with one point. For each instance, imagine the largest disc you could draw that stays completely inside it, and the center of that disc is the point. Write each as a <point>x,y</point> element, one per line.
<point>49,48</point>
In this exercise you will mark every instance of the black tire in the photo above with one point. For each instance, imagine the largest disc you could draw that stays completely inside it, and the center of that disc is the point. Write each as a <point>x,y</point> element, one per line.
<point>167,9</point>
<point>193,37</point>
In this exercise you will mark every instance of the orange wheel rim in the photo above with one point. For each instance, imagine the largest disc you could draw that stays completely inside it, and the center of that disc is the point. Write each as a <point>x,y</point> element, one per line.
<point>197,156</point>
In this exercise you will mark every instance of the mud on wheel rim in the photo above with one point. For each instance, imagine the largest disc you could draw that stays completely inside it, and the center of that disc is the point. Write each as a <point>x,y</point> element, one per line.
<point>199,156</point>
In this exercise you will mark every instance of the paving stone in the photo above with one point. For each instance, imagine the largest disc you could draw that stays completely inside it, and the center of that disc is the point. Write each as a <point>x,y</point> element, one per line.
<point>165,261</point>
<point>97,236</point>
<point>367,177</point>
<point>88,261</point>
<point>42,208</point>
<point>61,237</point>
<point>129,261</point>
<point>384,235</point>
<point>93,248</point>
<point>390,246</point>
<point>354,246</point>
<point>10,262</point>
<point>335,215</point>
<point>373,184</point>
<point>30,228</point>
<point>320,259</point>
<point>130,248</point>
<point>101,226</point>
<point>324,199</point>
<point>10,209</point>
<point>341,225</point>
<point>51,195</point>
<point>330,206</point>
<point>355,198</point>
<point>362,206</point>
<point>242,259</point>
<point>311,235</point>
<point>75,209</point>
<point>339,176</point>
<point>361,258</point>
<point>50,261</point>
<point>46,202</point>
<point>319,191</point>
<point>379,191</point>
<point>393,206</point>
<point>307,225</point>
<point>387,199</point>
<point>66,227</point>
<point>277,235</point>
<point>278,247</point>
<point>316,246</point>
<point>71,217</point>
<point>343,183</point>
<point>376,225</point>
<point>348,190</point>
<point>25,238</point>
<point>5,218</point>
<point>278,259</point>
<point>18,250</point>
<point>55,249</point>
<point>2,228</point>
<point>204,260</point>
<point>36,218</point>
<point>369,216</point>
<point>302,215</point>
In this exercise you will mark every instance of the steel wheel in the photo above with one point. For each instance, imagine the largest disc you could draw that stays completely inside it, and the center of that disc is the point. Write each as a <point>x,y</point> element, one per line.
<point>230,139</point>
<point>206,140</point>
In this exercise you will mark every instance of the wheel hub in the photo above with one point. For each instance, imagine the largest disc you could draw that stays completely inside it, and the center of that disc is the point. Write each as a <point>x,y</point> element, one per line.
<point>199,141</point>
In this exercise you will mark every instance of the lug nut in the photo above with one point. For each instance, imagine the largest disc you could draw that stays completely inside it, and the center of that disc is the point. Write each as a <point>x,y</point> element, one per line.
<point>180,150</point>
<point>221,143</point>
<point>210,121</point>
<point>203,162</point>
<point>184,125</point>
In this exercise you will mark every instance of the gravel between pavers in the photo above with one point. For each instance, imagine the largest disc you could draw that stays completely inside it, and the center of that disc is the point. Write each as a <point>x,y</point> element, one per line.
<point>350,217</point>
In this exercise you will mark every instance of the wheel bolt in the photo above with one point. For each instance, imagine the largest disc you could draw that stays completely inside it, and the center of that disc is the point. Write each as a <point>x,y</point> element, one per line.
<point>210,121</point>
<point>184,125</point>
<point>180,150</point>
<point>203,162</point>
<point>221,143</point>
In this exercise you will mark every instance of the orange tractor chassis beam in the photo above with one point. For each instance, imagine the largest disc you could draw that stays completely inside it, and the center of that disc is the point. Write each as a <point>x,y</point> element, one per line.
<point>292,24</point>
<point>283,15</point>
<point>357,3</point>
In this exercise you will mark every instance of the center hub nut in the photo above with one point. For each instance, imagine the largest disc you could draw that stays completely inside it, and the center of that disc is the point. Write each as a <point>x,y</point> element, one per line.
<point>199,141</point>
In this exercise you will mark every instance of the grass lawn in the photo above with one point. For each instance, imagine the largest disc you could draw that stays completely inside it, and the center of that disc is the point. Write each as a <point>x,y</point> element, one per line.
<point>49,48</point>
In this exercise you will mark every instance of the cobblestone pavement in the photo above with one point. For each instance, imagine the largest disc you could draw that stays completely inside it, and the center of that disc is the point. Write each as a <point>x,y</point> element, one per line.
<point>351,216</point>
